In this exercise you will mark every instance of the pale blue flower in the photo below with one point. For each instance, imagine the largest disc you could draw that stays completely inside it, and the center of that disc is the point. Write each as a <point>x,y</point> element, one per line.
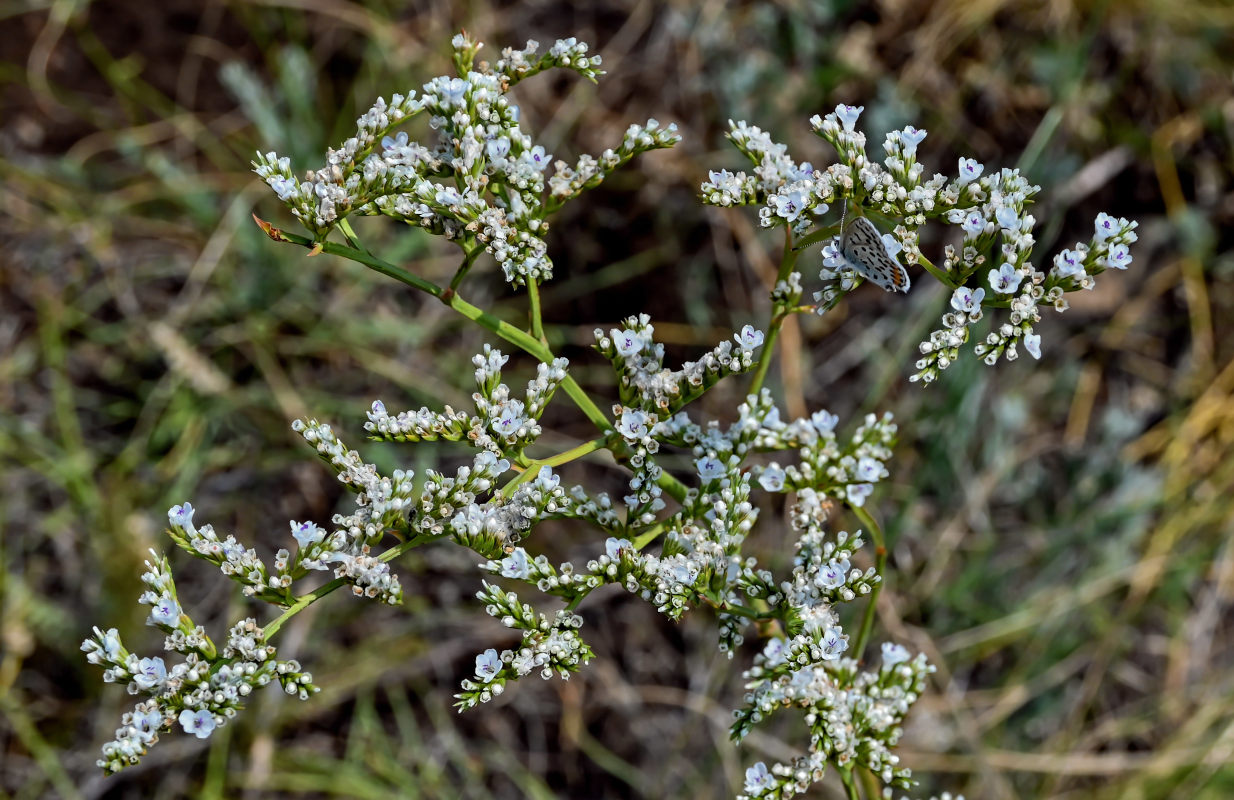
<point>858,492</point>
<point>973,224</point>
<point>539,158</point>
<point>151,672</point>
<point>833,644</point>
<point>1104,227</point>
<point>628,343</point>
<point>200,723</point>
<point>789,205</point>
<point>182,517</point>
<point>1069,264</point>
<point>1032,343</point>
<point>1007,218</point>
<point>632,424</point>
<point>910,137</point>
<point>710,468</point>
<point>749,338</point>
<point>147,724</point>
<point>832,574</point>
<point>306,533</point>
<point>966,299</point>
<point>1118,257</point>
<point>894,654</point>
<point>516,565</point>
<point>869,469</point>
<point>397,140</point>
<point>497,149</point>
<point>824,421</point>
<point>758,779</point>
<point>772,479</point>
<point>848,115</point>
<point>166,611</point>
<point>970,170</point>
<point>488,665</point>
<point>616,548</point>
<point>1005,279</point>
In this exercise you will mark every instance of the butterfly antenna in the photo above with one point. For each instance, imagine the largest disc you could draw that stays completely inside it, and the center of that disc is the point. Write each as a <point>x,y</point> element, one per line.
<point>843,214</point>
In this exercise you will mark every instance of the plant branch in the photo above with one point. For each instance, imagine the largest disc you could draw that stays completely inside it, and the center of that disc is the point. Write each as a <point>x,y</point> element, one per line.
<point>880,563</point>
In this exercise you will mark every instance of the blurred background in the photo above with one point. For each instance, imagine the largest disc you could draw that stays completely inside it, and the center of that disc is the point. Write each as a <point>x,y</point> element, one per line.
<point>1061,530</point>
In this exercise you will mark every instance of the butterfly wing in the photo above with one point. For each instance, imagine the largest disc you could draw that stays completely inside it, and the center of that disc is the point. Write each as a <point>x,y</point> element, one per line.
<point>863,248</point>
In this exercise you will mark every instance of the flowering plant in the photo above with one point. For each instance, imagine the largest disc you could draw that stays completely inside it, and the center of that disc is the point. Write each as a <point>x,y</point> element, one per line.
<point>486,186</point>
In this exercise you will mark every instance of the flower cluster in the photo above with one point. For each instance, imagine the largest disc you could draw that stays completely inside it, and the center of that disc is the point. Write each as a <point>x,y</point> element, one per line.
<point>201,692</point>
<point>482,182</point>
<point>989,269</point>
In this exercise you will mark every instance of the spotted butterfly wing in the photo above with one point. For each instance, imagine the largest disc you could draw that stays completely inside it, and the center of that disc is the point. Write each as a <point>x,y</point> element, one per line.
<point>864,250</point>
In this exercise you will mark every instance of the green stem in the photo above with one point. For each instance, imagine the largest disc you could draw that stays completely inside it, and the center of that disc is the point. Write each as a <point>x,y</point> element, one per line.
<point>942,276</point>
<point>461,272</point>
<point>880,563</point>
<point>533,465</point>
<point>787,262</point>
<point>537,324</point>
<point>345,226</point>
<point>850,786</point>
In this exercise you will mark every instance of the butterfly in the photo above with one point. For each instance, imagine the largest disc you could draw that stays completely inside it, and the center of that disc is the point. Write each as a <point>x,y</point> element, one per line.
<point>863,249</point>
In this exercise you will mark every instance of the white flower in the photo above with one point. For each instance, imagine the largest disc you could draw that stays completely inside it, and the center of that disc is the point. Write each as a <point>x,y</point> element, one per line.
<point>391,142</point>
<point>910,138</point>
<point>306,533</point>
<point>869,469</point>
<point>627,342</point>
<point>758,779</point>
<point>616,548</point>
<point>789,205</point>
<point>151,672</point>
<point>970,170</point>
<point>1005,279</point>
<point>181,516</point>
<point>488,664</point>
<point>710,468</point>
<point>894,654</point>
<point>1007,218</point>
<point>633,424</point>
<point>539,158</point>
<point>283,187</point>
<point>1118,257</point>
<point>165,612</point>
<point>1032,343</point>
<point>200,723</point>
<point>510,418</point>
<point>833,574</point>
<point>749,338</point>
<point>892,245</point>
<point>147,724</point>
<point>966,299</point>
<point>453,91</point>
<point>775,651</point>
<point>824,421</point>
<point>973,224</point>
<point>497,149</point>
<point>848,115</point>
<point>1069,264</point>
<point>1104,227</point>
<point>834,644</point>
<point>772,479</point>
<point>858,492</point>
<point>515,565</point>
